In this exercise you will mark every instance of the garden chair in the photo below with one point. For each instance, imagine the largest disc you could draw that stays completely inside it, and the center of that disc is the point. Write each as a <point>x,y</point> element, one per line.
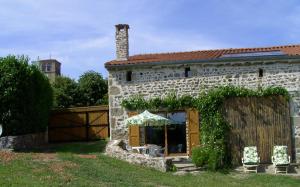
<point>155,150</point>
<point>250,159</point>
<point>280,159</point>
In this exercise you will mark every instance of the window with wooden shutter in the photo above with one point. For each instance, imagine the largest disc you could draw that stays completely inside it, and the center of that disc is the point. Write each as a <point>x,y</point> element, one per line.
<point>134,132</point>
<point>193,128</point>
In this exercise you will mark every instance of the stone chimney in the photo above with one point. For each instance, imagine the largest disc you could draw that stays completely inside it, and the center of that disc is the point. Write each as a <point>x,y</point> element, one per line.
<point>122,44</point>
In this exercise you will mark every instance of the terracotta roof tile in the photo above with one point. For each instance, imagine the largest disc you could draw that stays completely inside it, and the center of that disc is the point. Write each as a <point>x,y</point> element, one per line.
<point>291,50</point>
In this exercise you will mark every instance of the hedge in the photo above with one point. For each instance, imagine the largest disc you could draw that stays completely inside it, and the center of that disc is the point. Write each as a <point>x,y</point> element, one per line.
<point>25,97</point>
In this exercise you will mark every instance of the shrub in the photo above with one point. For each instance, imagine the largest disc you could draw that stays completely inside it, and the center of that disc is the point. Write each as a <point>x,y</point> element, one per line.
<point>200,156</point>
<point>25,99</point>
<point>65,91</point>
<point>93,89</point>
<point>208,156</point>
<point>216,159</point>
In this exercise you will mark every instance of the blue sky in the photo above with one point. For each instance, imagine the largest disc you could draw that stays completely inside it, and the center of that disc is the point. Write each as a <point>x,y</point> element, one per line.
<point>80,33</point>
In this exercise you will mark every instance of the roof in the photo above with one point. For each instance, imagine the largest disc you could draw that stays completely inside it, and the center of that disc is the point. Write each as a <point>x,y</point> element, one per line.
<point>290,50</point>
<point>49,61</point>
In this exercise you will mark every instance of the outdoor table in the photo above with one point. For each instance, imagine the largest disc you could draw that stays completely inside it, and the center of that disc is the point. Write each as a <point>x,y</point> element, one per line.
<point>140,149</point>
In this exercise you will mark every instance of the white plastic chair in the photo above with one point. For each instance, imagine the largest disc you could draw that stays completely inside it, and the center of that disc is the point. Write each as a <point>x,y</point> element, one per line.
<point>281,159</point>
<point>250,159</point>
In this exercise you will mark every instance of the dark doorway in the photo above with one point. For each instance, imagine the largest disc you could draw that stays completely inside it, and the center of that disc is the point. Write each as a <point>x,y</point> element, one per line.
<point>176,133</point>
<point>176,139</point>
<point>155,135</point>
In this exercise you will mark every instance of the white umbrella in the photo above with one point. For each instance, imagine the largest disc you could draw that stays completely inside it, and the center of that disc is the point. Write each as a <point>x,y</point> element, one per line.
<point>148,119</point>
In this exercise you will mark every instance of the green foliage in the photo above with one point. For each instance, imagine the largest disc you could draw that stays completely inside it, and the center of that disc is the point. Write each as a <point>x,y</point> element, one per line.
<point>170,102</point>
<point>210,100</point>
<point>208,156</point>
<point>200,156</point>
<point>92,88</point>
<point>26,97</point>
<point>137,102</point>
<point>214,133</point>
<point>65,92</point>
<point>155,103</point>
<point>172,168</point>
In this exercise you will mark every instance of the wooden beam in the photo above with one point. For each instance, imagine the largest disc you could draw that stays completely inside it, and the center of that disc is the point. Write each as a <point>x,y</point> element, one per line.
<point>166,141</point>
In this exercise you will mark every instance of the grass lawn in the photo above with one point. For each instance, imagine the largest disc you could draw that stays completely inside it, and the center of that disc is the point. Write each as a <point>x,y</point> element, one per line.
<point>83,164</point>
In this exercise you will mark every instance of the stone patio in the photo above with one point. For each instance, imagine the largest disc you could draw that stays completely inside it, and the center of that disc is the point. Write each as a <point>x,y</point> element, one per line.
<point>117,149</point>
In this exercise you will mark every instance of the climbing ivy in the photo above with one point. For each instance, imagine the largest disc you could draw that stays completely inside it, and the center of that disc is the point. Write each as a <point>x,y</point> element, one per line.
<point>170,103</point>
<point>214,152</point>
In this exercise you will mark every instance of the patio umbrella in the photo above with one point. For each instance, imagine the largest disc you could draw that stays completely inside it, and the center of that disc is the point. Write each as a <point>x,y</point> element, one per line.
<point>148,119</point>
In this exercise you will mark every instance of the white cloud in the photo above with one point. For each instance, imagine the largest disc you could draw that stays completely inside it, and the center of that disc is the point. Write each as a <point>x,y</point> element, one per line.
<point>80,34</point>
<point>172,42</point>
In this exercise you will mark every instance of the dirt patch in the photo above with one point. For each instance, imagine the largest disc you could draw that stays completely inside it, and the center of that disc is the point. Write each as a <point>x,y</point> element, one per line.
<point>7,156</point>
<point>88,156</point>
<point>59,167</point>
<point>45,157</point>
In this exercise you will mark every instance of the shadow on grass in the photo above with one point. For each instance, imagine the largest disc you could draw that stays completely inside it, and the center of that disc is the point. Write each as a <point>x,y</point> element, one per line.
<point>93,147</point>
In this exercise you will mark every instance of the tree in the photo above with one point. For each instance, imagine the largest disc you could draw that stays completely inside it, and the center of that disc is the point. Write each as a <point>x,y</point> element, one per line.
<point>26,97</point>
<point>93,89</point>
<point>65,92</point>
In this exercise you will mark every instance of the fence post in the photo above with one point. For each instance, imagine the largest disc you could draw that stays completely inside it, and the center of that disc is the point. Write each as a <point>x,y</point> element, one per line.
<point>87,121</point>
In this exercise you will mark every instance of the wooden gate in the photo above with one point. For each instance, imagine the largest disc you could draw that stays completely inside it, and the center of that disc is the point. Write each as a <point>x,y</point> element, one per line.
<point>258,121</point>
<point>79,124</point>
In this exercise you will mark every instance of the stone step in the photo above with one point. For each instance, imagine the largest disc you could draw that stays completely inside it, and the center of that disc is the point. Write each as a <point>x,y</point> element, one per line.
<point>183,165</point>
<point>185,172</point>
<point>180,159</point>
<point>186,166</point>
<point>190,169</point>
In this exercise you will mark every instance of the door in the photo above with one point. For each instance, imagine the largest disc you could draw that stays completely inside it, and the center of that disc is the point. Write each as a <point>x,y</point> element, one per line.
<point>134,132</point>
<point>193,129</point>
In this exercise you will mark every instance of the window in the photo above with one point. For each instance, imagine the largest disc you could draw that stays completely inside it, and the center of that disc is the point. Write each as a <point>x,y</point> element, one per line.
<point>260,72</point>
<point>44,67</point>
<point>129,76</point>
<point>187,72</point>
<point>48,67</point>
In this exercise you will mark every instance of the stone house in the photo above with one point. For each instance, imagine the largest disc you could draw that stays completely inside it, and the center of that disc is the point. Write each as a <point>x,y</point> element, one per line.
<point>50,67</point>
<point>152,75</point>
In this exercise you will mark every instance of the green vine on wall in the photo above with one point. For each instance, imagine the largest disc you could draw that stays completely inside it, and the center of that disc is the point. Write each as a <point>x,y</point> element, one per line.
<point>214,152</point>
<point>171,102</point>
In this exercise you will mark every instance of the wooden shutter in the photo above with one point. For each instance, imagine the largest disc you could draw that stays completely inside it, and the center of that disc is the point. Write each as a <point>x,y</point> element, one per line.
<point>193,128</point>
<point>134,132</point>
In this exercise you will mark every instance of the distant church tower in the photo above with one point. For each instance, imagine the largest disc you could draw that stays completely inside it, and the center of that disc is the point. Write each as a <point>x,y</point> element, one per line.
<point>50,67</point>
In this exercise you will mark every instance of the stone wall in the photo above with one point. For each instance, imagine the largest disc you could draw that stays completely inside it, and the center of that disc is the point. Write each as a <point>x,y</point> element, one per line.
<point>114,149</point>
<point>21,142</point>
<point>157,81</point>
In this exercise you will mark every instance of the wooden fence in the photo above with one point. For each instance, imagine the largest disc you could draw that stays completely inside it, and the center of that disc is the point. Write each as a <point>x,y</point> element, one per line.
<point>258,121</point>
<point>79,124</point>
